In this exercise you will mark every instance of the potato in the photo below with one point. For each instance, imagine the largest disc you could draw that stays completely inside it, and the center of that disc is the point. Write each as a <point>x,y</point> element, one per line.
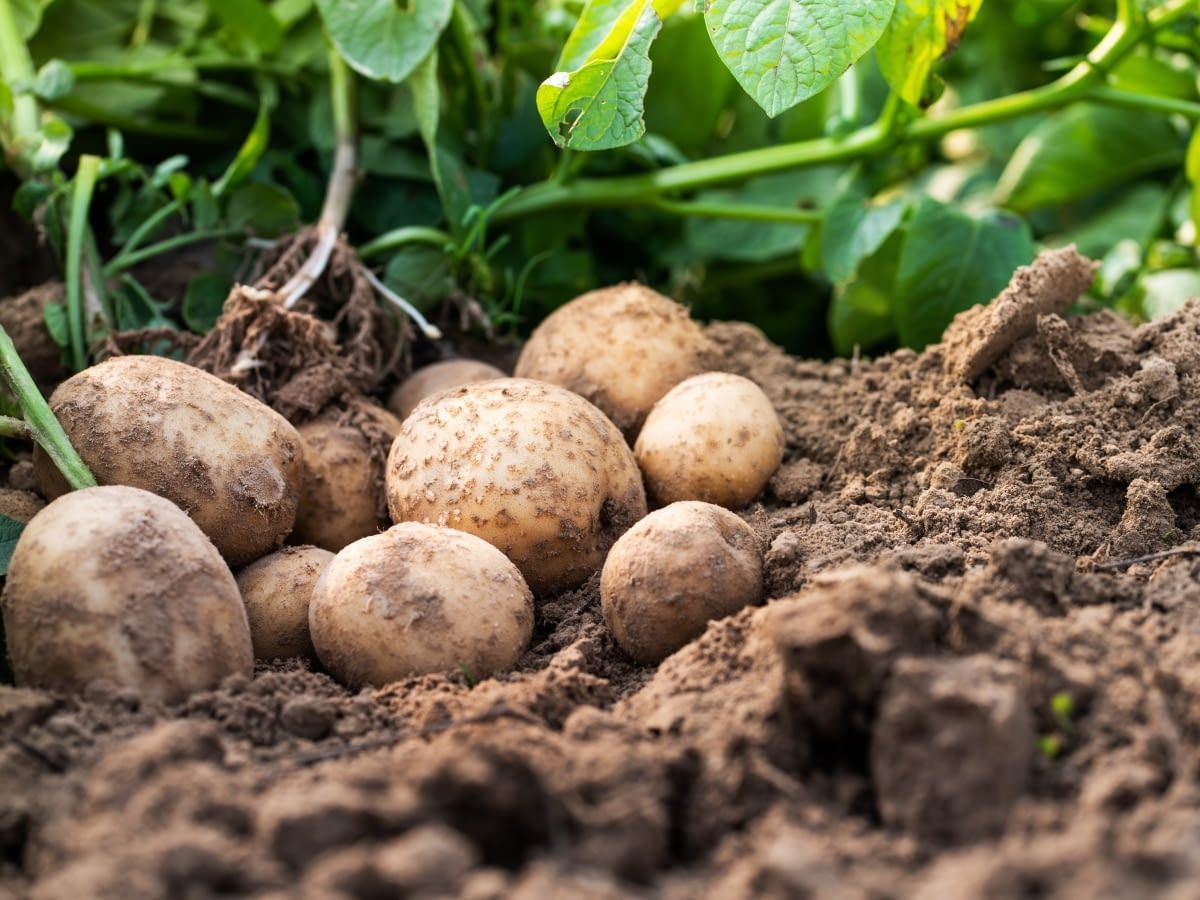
<point>621,347</point>
<point>20,506</point>
<point>117,584</point>
<point>673,572</point>
<point>714,437</point>
<point>276,590</point>
<point>231,463</point>
<point>531,468</point>
<point>417,599</point>
<point>439,376</point>
<point>343,495</point>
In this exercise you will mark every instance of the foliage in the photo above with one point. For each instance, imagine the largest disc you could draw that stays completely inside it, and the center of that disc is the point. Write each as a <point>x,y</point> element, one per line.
<point>847,174</point>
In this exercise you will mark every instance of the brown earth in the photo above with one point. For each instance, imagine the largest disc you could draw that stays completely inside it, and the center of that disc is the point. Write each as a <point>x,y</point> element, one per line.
<point>979,677</point>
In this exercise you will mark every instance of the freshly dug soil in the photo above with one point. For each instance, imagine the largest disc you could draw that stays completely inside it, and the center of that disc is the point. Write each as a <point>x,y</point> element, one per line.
<point>979,677</point>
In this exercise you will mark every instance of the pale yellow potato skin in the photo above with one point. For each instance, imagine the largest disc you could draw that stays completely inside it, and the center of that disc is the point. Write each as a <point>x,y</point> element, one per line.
<point>620,347</point>
<point>231,463</point>
<point>531,468</point>
<point>418,599</point>
<point>117,584</point>
<point>276,591</point>
<point>439,376</point>
<point>714,437</point>
<point>675,571</point>
<point>343,483</point>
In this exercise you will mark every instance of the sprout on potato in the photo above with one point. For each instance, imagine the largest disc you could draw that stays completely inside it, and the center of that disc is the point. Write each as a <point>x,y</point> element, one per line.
<point>343,495</point>
<point>231,463</point>
<point>117,584</point>
<point>673,572</point>
<point>418,599</point>
<point>621,347</point>
<point>714,437</point>
<point>533,469</point>
<point>439,376</point>
<point>276,590</point>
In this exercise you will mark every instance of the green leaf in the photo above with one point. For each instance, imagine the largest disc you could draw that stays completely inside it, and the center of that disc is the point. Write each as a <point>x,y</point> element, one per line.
<point>419,274</point>
<point>952,261</point>
<point>251,20</point>
<point>385,39</point>
<point>785,51</point>
<point>204,300</point>
<point>10,532</point>
<point>860,315</point>
<point>264,209</point>
<point>56,323</point>
<point>854,228</point>
<point>1138,213</point>
<point>248,154</point>
<point>1168,290</point>
<point>28,15</point>
<point>449,174</point>
<point>54,80</point>
<point>595,101</point>
<point>921,32</point>
<point>686,111</point>
<point>1084,149</point>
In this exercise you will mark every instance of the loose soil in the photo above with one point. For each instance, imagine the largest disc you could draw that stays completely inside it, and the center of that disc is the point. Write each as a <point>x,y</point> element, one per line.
<point>979,676</point>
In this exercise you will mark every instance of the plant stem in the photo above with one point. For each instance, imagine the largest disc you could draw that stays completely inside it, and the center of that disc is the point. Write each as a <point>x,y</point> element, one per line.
<point>409,234</point>
<point>40,418</point>
<point>1147,102</point>
<point>99,115</point>
<point>127,261</point>
<point>748,212</point>
<point>15,66</point>
<point>15,428</point>
<point>77,226</point>
<point>151,222</point>
<point>101,71</point>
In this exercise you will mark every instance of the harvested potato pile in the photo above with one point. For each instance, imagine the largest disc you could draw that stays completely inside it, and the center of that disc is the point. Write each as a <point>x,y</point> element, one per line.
<point>276,590</point>
<point>229,462</point>
<point>533,469</point>
<point>621,347</point>
<point>416,599</point>
<point>440,376</point>
<point>116,583</point>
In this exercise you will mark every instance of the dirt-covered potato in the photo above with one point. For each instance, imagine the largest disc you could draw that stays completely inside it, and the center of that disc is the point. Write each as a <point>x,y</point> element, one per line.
<point>621,347</point>
<point>714,437</point>
<point>276,590</point>
<point>417,599</point>
<point>440,376</point>
<point>343,496</point>
<point>231,463</point>
<point>531,468</point>
<point>20,506</point>
<point>117,584</point>
<point>673,572</point>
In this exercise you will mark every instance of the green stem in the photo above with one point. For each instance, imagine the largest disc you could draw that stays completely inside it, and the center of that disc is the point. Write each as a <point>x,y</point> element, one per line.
<point>126,261</point>
<point>98,115</point>
<point>15,428</point>
<point>100,71</point>
<point>40,418</point>
<point>150,224</point>
<point>748,212</point>
<point>1147,102</point>
<point>16,66</point>
<point>409,234</point>
<point>77,226</point>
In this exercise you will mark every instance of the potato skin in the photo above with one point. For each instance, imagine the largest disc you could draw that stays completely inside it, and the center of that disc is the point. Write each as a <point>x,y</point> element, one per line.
<point>231,463</point>
<point>715,437</point>
<point>276,591</point>
<point>531,468</point>
<point>117,583</point>
<point>620,347</point>
<point>20,506</point>
<point>418,599</point>
<point>342,498</point>
<point>673,572</point>
<point>439,376</point>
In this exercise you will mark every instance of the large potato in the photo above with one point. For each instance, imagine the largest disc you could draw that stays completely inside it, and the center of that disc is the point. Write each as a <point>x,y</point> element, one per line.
<point>531,468</point>
<point>621,347</point>
<point>276,590</point>
<point>343,496</point>
<point>440,376</point>
<point>232,464</point>
<point>673,572</point>
<point>714,437</point>
<point>116,583</point>
<point>417,599</point>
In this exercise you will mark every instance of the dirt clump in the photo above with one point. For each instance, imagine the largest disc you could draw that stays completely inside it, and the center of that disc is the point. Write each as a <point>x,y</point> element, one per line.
<point>977,675</point>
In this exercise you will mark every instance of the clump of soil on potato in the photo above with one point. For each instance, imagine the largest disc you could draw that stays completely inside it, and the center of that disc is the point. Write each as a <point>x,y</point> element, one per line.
<point>978,675</point>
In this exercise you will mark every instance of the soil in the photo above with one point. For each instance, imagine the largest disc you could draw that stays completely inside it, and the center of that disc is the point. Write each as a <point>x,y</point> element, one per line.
<point>978,675</point>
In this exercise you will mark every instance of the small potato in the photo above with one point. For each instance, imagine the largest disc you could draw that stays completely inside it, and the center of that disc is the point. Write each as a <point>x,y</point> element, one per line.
<point>343,497</point>
<point>621,347</point>
<point>231,463</point>
<point>673,572</point>
<point>531,468</point>
<point>20,506</point>
<point>418,599</point>
<point>276,590</point>
<point>116,583</point>
<point>714,437</point>
<point>440,376</point>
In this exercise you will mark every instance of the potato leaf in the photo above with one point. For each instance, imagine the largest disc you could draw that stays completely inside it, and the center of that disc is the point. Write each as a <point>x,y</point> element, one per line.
<point>251,20</point>
<point>10,532</point>
<point>785,51</point>
<point>383,39</point>
<point>854,228</point>
<point>952,261</point>
<point>860,314</point>
<point>28,15</point>
<point>921,33</point>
